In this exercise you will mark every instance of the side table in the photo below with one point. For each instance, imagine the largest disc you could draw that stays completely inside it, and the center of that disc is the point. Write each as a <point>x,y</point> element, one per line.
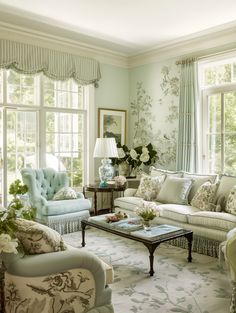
<point>95,188</point>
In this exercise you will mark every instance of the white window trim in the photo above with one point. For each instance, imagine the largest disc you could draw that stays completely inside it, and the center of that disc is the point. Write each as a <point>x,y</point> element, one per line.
<point>204,120</point>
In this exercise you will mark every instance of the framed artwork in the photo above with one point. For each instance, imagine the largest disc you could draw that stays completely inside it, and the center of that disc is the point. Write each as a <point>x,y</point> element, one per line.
<point>112,123</point>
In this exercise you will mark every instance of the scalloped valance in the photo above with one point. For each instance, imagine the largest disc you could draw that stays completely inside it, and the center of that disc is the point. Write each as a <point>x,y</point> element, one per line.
<point>57,65</point>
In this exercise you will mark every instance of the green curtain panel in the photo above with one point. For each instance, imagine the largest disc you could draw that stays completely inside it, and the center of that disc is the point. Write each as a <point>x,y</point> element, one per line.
<point>187,158</point>
<point>29,59</point>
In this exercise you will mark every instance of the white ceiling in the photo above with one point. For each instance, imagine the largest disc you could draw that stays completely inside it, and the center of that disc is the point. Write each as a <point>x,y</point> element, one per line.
<point>128,26</point>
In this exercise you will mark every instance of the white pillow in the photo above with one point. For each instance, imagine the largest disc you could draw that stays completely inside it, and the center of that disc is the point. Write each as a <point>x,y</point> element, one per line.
<point>149,187</point>
<point>65,193</point>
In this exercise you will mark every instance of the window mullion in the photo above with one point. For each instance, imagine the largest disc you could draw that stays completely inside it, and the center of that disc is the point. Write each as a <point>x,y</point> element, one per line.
<point>222,133</point>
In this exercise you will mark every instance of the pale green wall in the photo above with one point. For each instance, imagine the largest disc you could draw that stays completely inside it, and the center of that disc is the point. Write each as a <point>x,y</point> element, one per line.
<point>160,81</point>
<point>118,88</point>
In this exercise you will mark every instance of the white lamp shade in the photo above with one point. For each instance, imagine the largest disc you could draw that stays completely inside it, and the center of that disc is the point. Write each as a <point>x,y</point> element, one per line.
<point>105,148</point>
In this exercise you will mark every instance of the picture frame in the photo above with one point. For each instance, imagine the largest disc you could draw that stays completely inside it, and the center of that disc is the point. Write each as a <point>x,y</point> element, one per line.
<point>112,123</point>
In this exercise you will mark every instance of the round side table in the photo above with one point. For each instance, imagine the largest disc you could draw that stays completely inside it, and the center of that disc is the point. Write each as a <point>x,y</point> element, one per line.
<point>95,188</point>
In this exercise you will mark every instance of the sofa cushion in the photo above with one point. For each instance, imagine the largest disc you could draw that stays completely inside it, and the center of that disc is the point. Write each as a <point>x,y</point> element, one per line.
<point>217,220</point>
<point>65,193</point>
<point>37,238</point>
<point>149,186</point>
<point>176,212</point>
<point>128,203</point>
<point>204,196</point>
<point>198,179</point>
<point>231,202</point>
<point>175,190</point>
<point>61,207</point>
<point>157,172</point>
<point>225,186</point>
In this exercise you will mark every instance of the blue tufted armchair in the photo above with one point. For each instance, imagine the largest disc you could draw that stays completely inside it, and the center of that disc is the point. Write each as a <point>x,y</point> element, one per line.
<point>62,215</point>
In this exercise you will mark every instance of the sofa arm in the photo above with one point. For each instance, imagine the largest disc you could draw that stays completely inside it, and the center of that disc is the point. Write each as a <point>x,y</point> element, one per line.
<point>66,273</point>
<point>130,192</point>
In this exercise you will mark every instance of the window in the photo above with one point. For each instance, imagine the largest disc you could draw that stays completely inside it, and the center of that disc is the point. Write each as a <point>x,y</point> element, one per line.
<point>218,84</point>
<point>42,123</point>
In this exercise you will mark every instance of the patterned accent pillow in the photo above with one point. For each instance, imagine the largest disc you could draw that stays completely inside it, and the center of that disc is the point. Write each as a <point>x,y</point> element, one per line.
<point>205,196</point>
<point>37,238</point>
<point>231,201</point>
<point>65,193</point>
<point>149,187</point>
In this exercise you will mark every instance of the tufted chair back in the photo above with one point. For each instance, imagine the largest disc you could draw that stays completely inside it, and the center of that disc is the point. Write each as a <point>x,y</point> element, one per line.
<point>43,182</point>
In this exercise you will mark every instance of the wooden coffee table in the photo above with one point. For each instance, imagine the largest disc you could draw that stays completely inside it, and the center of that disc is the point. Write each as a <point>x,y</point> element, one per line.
<point>132,230</point>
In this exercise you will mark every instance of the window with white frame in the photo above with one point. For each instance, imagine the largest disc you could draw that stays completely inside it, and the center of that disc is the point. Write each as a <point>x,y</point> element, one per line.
<point>218,111</point>
<point>42,124</point>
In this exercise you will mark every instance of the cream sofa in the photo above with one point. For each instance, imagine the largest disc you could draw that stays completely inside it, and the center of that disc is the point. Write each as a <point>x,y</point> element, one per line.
<point>210,228</point>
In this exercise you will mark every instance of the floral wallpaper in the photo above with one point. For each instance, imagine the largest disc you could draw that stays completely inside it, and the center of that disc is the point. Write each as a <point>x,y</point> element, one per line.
<point>154,110</point>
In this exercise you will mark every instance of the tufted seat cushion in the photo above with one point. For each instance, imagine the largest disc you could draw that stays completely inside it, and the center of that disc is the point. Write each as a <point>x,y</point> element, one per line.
<point>217,220</point>
<point>177,212</point>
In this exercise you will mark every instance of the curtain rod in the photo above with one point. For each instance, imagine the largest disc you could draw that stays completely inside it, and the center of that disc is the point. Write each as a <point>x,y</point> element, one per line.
<point>215,54</point>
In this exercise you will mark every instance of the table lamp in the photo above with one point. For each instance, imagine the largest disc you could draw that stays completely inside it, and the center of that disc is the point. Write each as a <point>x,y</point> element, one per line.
<point>105,148</point>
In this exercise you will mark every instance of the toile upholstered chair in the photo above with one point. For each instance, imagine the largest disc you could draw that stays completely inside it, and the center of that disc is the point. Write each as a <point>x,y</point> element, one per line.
<point>53,277</point>
<point>57,205</point>
<point>229,250</point>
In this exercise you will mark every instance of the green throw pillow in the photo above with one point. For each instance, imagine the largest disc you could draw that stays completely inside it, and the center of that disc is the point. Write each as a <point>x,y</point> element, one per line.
<point>175,190</point>
<point>204,197</point>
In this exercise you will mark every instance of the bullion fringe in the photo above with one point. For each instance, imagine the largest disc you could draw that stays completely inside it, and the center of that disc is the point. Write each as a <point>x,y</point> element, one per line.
<point>233,298</point>
<point>200,245</point>
<point>66,225</point>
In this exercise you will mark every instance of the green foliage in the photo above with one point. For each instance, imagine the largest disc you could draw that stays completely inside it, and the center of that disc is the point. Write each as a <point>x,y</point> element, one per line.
<point>16,206</point>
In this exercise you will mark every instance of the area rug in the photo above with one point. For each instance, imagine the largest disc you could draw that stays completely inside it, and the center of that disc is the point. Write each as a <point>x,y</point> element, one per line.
<point>177,286</point>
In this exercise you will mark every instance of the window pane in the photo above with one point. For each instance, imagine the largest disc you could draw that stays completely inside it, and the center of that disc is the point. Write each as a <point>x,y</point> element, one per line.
<point>63,94</point>
<point>223,74</point>
<point>1,86</point>
<point>64,142</point>
<point>214,157</point>
<point>230,111</point>
<point>22,89</point>
<point>214,111</point>
<point>230,154</point>
<point>209,77</point>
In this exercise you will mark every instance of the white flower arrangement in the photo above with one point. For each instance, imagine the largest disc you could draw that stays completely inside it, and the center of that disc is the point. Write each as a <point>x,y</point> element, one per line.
<point>8,244</point>
<point>120,180</point>
<point>147,210</point>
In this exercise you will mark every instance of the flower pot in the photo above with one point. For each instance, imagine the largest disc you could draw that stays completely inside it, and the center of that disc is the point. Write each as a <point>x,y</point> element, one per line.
<point>124,169</point>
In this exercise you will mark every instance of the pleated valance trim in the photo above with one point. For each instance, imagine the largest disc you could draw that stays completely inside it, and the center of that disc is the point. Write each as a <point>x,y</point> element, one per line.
<point>30,59</point>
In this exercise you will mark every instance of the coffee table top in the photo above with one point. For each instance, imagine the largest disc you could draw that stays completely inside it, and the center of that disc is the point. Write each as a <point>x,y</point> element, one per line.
<point>132,228</point>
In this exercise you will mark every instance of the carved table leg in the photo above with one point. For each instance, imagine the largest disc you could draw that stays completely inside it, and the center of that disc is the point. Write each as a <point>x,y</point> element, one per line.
<point>83,226</point>
<point>151,249</point>
<point>190,240</point>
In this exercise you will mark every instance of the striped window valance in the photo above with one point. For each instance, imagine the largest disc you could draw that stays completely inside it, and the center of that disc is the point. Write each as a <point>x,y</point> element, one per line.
<point>30,59</point>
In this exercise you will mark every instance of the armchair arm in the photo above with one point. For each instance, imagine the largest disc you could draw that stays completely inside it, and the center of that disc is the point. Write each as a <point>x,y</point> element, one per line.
<point>130,192</point>
<point>47,264</point>
<point>230,253</point>
<point>80,195</point>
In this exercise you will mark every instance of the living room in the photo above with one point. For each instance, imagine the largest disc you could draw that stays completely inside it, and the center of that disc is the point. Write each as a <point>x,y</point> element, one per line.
<point>135,54</point>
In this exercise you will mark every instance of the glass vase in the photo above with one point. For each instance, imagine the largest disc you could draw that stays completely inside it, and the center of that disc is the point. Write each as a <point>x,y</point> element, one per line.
<point>146,225</point>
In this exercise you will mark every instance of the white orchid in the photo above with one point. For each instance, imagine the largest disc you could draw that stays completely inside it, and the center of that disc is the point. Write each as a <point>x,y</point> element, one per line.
<point>133,154</point>
<point>145,150</point>
<point>7,244</point>
<point>121,153</point>
<point>144,157</point>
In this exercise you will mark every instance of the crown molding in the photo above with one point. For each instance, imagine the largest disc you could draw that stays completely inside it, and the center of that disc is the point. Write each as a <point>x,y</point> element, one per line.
<point>47,40</point>
<point>199,46</point>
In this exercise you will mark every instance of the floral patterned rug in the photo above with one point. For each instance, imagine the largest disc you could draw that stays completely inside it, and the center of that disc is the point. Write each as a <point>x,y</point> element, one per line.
<point>177,286</point>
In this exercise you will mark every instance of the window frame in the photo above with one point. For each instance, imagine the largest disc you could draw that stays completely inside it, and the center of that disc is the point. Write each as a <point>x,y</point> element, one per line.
<point>88,134</point>
<point>204,151</point>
